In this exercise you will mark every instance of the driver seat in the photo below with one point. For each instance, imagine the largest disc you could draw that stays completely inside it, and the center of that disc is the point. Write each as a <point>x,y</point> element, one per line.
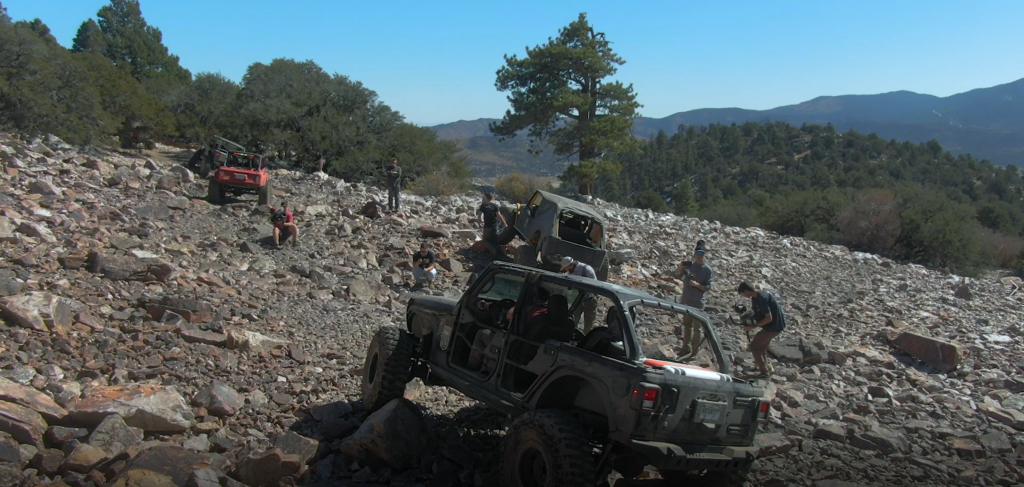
<point>561,325</point>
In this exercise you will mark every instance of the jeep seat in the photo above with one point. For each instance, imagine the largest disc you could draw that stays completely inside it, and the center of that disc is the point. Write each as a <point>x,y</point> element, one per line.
<point>561,325</point>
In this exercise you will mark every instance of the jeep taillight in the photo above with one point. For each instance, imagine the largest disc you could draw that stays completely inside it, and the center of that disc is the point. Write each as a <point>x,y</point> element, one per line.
<point>762,410</point>
<point>646,397</point>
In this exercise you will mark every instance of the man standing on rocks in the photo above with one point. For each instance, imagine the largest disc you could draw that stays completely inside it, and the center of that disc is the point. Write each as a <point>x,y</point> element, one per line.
<point>491,213</point>
<point>423,265</point>
<point>769,318</point>
<point>394,175</point>
<point>589,308</point>
<point>698,277</point>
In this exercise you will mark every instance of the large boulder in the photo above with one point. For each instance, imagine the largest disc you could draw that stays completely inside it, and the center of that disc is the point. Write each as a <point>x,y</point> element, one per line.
<point>149,407</point>
<point>37,231</point>
<point>395,435</point>
<point>37,310</point>
<point>160,466</point>
<point>937,353</point>
<point>22,423</point>
<point>124,268</point>
<point>253,342</point>
<point>267,468</point>
<point>114,436</point>
<point>219,398</point>
<point>32,399</point>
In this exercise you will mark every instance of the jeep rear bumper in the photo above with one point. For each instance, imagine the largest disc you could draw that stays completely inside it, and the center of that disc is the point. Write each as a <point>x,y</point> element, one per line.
<point>667,456</point>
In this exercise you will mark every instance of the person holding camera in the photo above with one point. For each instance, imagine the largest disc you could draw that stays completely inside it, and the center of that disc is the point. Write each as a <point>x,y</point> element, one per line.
<point>698,277</point>
<point>284,226</point>
<point>769,318</point>
<point>423,265</point>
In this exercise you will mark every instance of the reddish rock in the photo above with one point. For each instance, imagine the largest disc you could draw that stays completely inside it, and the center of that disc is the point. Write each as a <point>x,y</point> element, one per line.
<point>23,424</point>
<point>38,310</point>
<point>937,353</point>
<point>146,406</point>
<point>32,399</point>
<point>163,465</point>
<point>266,469</point>
<point>205,337</point>
<point>84,458</point>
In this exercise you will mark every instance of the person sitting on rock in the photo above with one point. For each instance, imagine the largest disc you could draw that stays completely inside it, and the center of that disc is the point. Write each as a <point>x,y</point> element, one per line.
<point>284,226</point>
<point>424,265</point>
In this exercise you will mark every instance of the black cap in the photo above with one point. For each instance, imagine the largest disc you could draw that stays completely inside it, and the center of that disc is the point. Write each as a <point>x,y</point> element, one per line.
<point>701,246</point>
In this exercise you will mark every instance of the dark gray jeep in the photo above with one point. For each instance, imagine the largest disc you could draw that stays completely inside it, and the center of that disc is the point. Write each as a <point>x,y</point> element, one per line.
<point>554,226</point>
<point>583,404</point>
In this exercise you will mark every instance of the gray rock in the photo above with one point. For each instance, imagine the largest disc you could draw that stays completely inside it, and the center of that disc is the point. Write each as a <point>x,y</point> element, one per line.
<point>152,408</point>
<point>37,310</point>
<point>114,436</point>
<point>219,399</point>
<point>394,435</point>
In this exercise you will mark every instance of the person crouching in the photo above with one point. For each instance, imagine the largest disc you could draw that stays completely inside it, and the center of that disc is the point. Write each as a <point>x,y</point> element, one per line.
<point>284,226</point>
<point>423,265</point>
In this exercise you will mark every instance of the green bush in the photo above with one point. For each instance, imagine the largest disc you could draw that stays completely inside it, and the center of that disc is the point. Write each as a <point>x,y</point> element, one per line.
<point>438,184</point>
<point>650,200</point>
<point>517,187</point>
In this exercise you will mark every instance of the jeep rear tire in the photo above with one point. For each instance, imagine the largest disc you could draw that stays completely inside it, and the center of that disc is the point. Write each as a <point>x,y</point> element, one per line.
<point>263,195</point>
<point>214,193</point>
<point>388,366</point>
<point>526,255</point>
<point>546,448</point>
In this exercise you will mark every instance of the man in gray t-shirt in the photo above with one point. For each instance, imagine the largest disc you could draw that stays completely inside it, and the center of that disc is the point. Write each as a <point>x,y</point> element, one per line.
<point>697,281</point>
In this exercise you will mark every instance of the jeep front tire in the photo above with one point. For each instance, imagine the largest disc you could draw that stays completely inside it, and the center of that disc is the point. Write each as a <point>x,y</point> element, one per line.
<point>263,196</point>
<point>214,193</point>
<point>388,366</point>
<point>546,448</point>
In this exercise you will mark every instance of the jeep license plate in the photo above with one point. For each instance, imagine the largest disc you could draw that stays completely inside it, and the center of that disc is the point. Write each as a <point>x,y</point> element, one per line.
<point>239,176</point>
<point>709,412</point>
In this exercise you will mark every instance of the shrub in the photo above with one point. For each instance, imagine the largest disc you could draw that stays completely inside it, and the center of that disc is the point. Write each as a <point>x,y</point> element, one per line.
<point>438,184</point>
<point>650,200</point>
<point>872,223</point>
<point>1003,250</point>
<point>517,187</point>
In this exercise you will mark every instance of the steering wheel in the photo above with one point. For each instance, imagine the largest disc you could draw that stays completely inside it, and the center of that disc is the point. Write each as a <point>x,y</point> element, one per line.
<point>502,309</point>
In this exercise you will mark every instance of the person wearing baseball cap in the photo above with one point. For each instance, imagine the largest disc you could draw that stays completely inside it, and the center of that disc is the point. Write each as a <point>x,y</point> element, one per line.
<point>589,308</point>
<point>698,277</point>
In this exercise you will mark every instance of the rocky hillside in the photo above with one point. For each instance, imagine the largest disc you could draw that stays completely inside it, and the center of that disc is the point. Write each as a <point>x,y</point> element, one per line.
<point>151,338</point>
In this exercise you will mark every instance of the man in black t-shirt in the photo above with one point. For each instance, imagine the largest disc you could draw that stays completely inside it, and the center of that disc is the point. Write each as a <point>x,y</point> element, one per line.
<point>394,179</point>
<point>769,318</point>
<point>491,213</point>
<point>423,265</point>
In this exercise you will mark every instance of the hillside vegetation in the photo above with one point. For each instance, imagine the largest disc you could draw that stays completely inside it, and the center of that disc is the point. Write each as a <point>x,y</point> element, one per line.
<point>118,78</point>
<point>916,202</point>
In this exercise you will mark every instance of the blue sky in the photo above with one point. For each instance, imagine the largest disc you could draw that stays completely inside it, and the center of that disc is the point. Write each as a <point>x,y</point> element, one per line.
<point>435,62</point>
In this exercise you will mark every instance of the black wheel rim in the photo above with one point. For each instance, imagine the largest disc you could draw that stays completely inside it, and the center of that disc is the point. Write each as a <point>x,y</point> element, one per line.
<point>371,372</point>
<point>532,468</point>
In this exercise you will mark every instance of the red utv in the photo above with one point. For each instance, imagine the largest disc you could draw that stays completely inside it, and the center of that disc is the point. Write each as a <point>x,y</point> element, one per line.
<point>242,172</point>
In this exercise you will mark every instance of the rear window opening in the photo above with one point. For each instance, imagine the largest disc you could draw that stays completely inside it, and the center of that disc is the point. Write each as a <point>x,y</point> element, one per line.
<point>580,230</point>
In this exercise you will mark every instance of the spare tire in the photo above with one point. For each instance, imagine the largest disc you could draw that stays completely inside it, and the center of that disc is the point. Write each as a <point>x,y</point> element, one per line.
<point>388,366</point>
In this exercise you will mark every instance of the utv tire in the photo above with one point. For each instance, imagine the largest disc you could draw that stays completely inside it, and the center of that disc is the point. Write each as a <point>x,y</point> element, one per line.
<point>214,193</point>
<point>263,196</point>
<point>388,366</point>
<point>526,255</point>
<point>546,448</point>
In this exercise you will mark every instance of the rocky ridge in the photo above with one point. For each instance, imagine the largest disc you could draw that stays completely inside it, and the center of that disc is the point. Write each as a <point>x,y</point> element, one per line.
<point>150,336</point>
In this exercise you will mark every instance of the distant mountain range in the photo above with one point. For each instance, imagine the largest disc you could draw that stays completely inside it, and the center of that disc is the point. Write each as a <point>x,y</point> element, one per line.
<point>987,123</point>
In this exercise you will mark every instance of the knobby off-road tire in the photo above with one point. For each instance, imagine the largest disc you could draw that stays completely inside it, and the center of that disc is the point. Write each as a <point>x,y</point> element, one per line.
<point>263,195</point>
<point>214,193</point>
<point>388,366</point>
<point>546,448</point>
<point>526,255</point>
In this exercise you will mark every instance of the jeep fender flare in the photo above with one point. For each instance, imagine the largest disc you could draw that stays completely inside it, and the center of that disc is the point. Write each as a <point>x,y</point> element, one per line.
<point>564,382</point>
